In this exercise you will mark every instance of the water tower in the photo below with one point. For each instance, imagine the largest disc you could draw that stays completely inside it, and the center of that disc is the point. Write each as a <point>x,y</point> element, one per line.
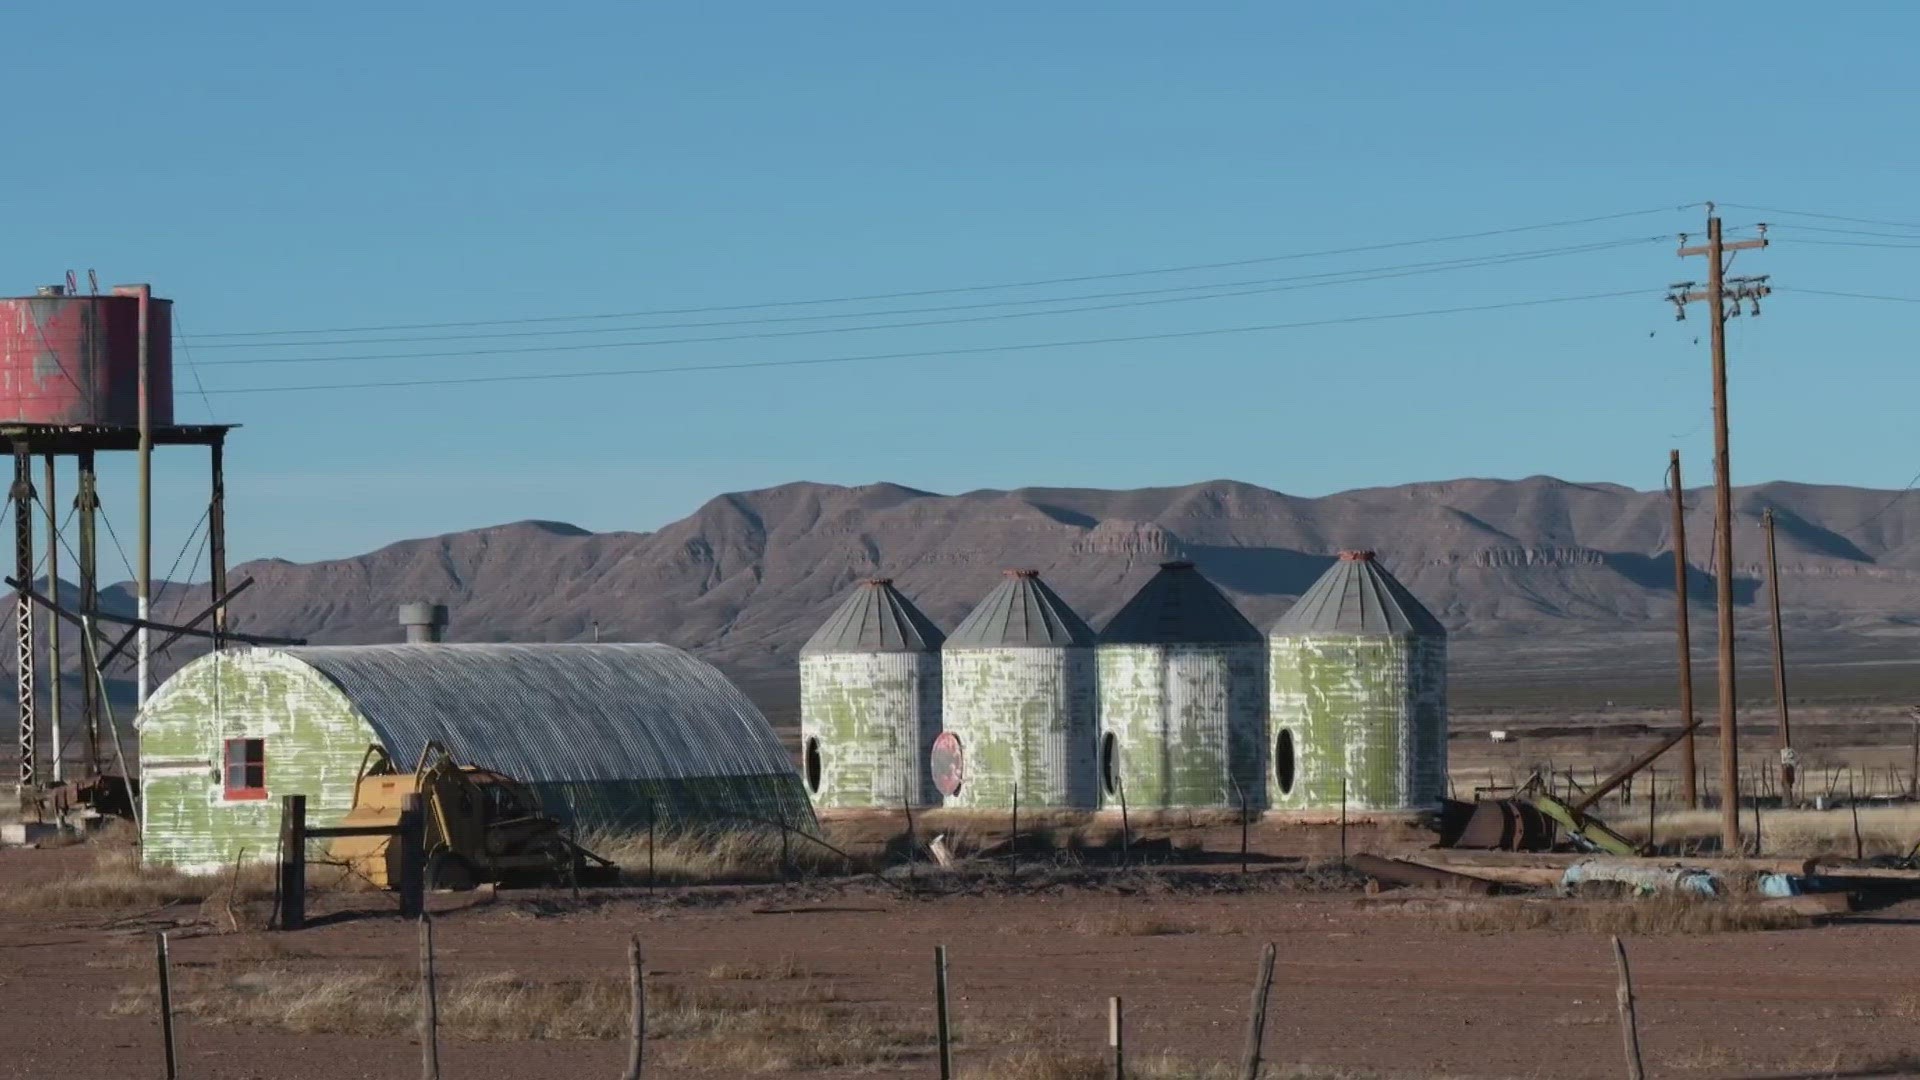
<point>82,375</point>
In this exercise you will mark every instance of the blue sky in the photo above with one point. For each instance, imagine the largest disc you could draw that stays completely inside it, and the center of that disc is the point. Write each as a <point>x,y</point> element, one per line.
<point>359,166</point>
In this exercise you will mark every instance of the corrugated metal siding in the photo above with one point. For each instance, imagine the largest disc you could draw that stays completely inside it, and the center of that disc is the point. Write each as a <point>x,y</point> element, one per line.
<point>605,727</point>
<point>1027,719</point>
<point>1189,724</point>
<point>876,715</point>
<point>1367,708</point>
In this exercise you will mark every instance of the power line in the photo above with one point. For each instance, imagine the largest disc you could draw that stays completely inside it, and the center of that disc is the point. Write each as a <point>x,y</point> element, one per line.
<point>1849,243</point>
<point>1847,232</point>
<point>913,324</point>
<point>926,354</point>
<point>1846,295</point>
<point>1362,274</point>
<point>1826,217</point>
<point>1033,283</point>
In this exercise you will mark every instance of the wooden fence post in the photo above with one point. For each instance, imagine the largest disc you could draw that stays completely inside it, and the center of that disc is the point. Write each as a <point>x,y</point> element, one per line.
<point>166,1004</point>
<point>1114,1040</point>
<point>650,819</point>
<point>412,858</point>
<point>940,1007</point>
<point>1343,823</point>
<point>1629,1021</point>
<point>1257,1017</point>
<point>1653,803</point>
<point>293,862</point>
<point>1853,804</point>
<point>429,1005</point>
<point>637,1021</point>
<point>1243,830</point>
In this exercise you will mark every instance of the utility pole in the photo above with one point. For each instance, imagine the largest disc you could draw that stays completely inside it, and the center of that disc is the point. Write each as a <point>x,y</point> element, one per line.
<point>1787,759</point>
<point>1717,294</point>
<point>1689,788</point>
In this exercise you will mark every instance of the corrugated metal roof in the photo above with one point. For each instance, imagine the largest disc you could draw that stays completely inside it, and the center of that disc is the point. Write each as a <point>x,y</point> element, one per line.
<point>1021,611</point>
<point>560,713</point>
<point>1179,605</point>
<point>876,618</point>
<point>1357,596</point>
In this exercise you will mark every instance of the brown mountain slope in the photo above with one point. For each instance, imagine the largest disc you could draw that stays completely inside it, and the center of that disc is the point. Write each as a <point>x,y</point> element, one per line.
<point>748,576</point>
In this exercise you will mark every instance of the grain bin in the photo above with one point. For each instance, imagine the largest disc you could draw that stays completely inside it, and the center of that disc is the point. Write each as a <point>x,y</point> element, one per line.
<point>1359,676</point>
<point>1183,698</point>
<point>1018,686</point>
<point>870,702</point>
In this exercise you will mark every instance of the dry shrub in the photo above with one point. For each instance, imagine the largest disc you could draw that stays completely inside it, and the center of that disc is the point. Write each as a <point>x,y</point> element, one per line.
<point>696,1029</point>
<point>1131,924</point>
<point>1671,913</point>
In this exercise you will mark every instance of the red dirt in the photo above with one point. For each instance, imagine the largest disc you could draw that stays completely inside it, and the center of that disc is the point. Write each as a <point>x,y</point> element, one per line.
<point>1395,994</point>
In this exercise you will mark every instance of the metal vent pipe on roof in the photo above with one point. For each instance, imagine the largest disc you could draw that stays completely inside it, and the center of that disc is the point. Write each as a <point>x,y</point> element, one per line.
<point>425,623</point>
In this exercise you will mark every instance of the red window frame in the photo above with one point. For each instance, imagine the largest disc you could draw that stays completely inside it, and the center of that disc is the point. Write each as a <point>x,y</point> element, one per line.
<point>243,768</point>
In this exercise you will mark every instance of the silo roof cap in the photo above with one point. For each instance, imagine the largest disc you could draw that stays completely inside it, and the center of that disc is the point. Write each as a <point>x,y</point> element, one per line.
<point>875,618</point>
<point>1357,596</point>
<point>1021,612</point>
<point>1179,605</point>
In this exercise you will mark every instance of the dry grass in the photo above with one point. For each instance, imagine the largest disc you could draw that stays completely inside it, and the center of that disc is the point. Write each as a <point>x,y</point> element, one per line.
<point>716,856</point>
<point>1670,913</point>
<point>697,1028</point>
<point>1056,1064</point>
<point>118,880</point>
<point>1131,924</point>
<point>1884,830</point>
<point>758,971</point>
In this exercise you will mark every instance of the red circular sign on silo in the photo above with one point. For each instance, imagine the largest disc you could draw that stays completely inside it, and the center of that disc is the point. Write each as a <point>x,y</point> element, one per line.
<point>948,764</point>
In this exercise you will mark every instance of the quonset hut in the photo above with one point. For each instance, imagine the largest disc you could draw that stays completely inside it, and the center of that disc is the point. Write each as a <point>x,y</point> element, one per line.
<point>870,702</point>
<point>1183,698</point>
<point>606,735</point>
<point>1019,690</point>
<point>1359,695</point>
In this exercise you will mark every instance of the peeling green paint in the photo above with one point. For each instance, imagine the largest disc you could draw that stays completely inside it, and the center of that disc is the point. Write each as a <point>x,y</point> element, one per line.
<point>1188,724</point>
<point>874,716</point>
<point>1367,709</point>
<point>1026,718</point>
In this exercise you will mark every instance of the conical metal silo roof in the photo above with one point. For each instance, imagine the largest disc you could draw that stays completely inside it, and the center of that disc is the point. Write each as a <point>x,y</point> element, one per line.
<point>1021,611</point>
<point>875,618</point>
<point>1179,606</point>
<point>1357,596</point>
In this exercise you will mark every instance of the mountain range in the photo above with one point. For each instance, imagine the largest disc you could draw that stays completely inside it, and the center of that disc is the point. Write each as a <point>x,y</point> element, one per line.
<point>747,577</point>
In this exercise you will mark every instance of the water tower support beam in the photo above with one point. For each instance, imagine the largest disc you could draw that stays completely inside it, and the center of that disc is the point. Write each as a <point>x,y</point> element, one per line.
<point>23,522</point>
<point>86,504</point>
<point>217,537</point>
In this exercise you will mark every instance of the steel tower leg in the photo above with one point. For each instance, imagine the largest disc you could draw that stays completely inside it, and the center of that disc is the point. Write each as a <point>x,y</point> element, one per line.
<point>23,614</point>
<point>87,504</point>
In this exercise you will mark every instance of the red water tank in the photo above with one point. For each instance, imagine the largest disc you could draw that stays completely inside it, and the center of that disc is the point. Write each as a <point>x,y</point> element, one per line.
<point>76,359</point>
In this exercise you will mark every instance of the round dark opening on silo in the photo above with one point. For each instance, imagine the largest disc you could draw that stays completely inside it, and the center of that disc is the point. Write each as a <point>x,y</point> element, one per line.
<point>1110,763</point>
<point>1283,763</point>
<point>811,759</point>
